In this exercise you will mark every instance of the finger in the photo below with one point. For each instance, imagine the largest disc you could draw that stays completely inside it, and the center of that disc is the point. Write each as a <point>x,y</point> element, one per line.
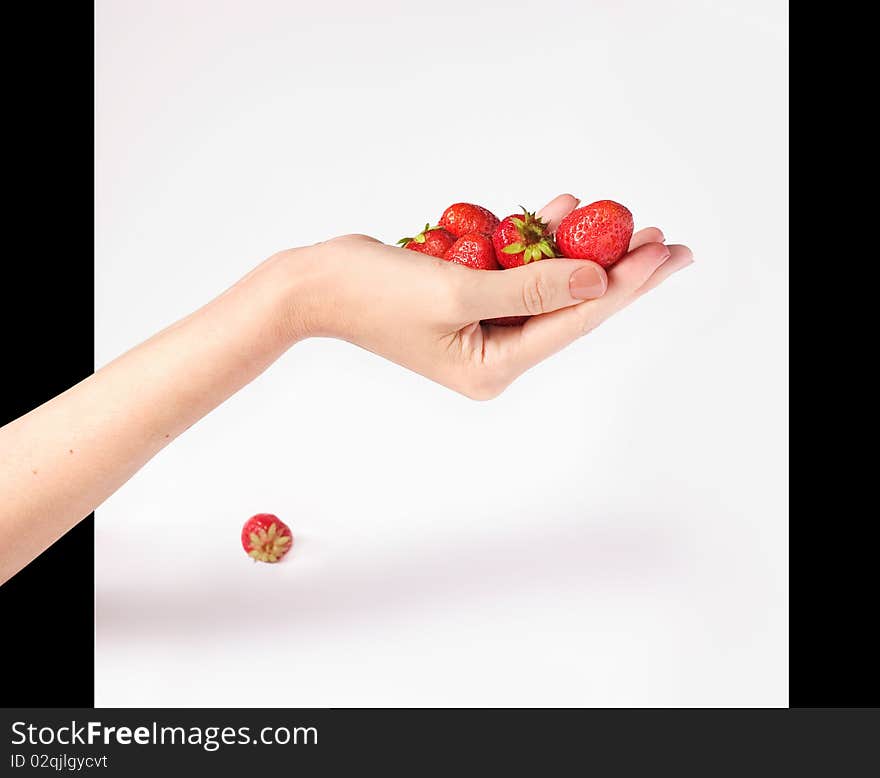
<point>533,289</point>
<point>647,235</point>
<point>557,209</point>
<point>545,335</point>
<point>628,275</point>
<point>680,257</point>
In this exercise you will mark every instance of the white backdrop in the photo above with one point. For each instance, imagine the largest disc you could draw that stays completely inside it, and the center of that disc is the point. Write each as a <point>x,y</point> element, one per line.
<point>613,529</point>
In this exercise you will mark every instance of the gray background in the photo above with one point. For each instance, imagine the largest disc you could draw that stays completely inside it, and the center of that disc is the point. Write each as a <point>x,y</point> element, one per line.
<point>613,529</point>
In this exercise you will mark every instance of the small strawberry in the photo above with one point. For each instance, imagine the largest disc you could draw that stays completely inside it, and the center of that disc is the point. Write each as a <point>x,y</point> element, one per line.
<point>600,231</point>
<point>431,240</point>
<point>522,238</point>
<point>266,538</point>
<point>462,218</point>
<point>473,250</point>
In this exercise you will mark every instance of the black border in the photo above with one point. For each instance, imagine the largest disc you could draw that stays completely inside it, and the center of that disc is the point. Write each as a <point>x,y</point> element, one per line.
<point>47,610</point>
<point>834,541</point>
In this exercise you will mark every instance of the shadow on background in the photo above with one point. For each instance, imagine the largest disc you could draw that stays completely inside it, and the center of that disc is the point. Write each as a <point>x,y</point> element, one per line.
<point>402,582</point>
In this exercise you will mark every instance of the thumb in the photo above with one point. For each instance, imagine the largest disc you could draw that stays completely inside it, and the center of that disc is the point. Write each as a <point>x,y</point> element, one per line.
<point>536,288</point>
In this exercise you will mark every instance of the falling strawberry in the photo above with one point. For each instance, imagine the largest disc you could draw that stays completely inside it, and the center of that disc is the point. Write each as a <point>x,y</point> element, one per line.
<point>431,240</point>
<point>473,250</point>
<point>462,218</point>
<point>600,231</point>
<point>522,238</point>
<point>266,538</point>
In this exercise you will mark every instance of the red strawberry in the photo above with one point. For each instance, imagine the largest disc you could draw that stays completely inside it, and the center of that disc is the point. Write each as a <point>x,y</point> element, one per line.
<point>462,218</point>
<point>431,240</point>
<point>600,231</point>
<point>473,250</point>
<point>522,238</point>
<point>266,538</point>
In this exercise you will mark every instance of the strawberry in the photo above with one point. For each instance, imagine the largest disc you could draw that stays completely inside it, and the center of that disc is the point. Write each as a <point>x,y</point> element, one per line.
<point>462,218</point>
<point>266,538</point>
<point>473,250</point>
<point>431,240</point>
<point>522,238</point>
<point>600,231</point>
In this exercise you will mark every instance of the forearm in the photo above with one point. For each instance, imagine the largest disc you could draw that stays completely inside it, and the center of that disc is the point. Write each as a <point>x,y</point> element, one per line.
<point>63,459</point>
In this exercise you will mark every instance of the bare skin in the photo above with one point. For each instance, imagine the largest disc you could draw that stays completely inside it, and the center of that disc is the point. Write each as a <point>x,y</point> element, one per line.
<point>63,459</point>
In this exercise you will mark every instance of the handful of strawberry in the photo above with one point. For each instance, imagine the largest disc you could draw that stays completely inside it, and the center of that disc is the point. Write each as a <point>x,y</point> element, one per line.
<point>473,236</point>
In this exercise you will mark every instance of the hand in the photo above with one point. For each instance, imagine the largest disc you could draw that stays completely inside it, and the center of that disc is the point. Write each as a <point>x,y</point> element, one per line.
<point>424,313</point>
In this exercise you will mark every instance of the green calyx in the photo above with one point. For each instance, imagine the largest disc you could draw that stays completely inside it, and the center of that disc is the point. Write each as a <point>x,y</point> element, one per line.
<point>534,243</point>
<point>420,238</point>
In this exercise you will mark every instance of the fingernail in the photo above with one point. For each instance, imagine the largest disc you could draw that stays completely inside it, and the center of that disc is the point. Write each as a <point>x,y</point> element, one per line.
<point>587,283</point>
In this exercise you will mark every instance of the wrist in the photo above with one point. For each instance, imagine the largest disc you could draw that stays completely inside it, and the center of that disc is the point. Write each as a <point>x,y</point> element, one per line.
<point>293,281</point>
